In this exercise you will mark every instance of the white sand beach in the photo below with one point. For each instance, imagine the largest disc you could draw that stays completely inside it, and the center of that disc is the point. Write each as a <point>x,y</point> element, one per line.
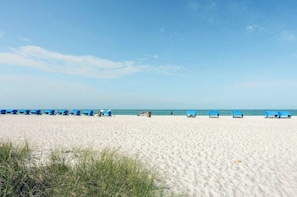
<point>201,156</point>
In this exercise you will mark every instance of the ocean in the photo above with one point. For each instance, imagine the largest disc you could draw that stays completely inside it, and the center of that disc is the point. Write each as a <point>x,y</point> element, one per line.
<point>183,112</point>
<point>200,112</point>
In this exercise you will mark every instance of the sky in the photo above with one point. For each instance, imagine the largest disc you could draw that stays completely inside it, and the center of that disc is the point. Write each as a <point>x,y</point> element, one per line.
<point>157,54</point>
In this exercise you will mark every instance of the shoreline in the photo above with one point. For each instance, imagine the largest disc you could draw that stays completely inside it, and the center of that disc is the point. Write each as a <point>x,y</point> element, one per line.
<point>165,112</point>
<point>202,156</point>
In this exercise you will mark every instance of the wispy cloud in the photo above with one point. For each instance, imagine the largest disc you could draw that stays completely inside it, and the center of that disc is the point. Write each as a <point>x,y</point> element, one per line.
<point>87,66</point>
<point>167,70</point>
<point>250,28</point>
<point>253,28</point>
<point>24,39</point>
<point>288,36</point>
<point>148,56</point>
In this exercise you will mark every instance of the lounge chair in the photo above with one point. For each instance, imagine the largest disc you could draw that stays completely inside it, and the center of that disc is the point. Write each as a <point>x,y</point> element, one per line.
<point>106,113</point>
<point>2,111</point>
<point>89,112</point>
<point>75,112</point>
<point>284,114</point>
<point>237,114</point>
<point>213,114</point>
<point>191,113</point>
<point>63,112</point>
<point>50,112</point>
<point>12,111</point>
<point>25,111</point>
<point>271,114</point>
<point>36,111</point>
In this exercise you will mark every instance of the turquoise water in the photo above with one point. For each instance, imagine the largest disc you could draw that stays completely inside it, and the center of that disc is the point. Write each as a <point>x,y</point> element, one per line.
<point>182,112</point>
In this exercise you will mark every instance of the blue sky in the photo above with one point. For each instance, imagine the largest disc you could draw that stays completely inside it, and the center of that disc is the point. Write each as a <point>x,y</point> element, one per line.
<point>154,54</point>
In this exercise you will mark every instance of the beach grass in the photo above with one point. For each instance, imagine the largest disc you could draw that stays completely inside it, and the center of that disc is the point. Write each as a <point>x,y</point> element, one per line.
<point>79,172</point>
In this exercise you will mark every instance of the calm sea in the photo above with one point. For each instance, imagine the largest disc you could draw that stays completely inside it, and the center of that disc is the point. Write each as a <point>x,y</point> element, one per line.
<point>182,112</point>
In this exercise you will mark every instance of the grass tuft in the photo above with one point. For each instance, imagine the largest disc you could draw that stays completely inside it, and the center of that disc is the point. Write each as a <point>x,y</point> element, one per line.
<point>75,173</point>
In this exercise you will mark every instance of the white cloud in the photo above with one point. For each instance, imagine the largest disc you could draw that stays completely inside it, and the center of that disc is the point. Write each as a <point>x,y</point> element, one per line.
<point>24,39</point>
<point>167,70</point>
<point>87,66</point>
<point>147,56</point>
<point>288,36</point>
<point>250,28</point>
<point>254,28</point>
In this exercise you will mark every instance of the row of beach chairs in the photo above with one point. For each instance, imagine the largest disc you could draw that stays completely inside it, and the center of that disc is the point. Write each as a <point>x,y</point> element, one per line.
<point>55,112</point>
<point>190,113</point>
<point>279,114</point>
<point>215,114</point>
<point>239,114</point>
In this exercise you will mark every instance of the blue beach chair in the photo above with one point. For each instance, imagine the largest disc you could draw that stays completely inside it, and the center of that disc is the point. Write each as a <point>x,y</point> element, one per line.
<point>75,112</point>
<point>2,111</point>
<point>237,114</point>
<point>213,114</point>
<point>271,114</point>
<point>106,113</point>
<point>63,112</point>
<point>25,111</point>
<point>50,112</point>
<point>36,111</point>
<point>12,111</point>
<point>284,114</point>
<point>89,112</point>
<point>191,113</point>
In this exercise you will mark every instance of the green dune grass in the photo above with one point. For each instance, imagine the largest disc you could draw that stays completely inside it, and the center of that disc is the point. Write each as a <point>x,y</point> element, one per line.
<point>75,173</point>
